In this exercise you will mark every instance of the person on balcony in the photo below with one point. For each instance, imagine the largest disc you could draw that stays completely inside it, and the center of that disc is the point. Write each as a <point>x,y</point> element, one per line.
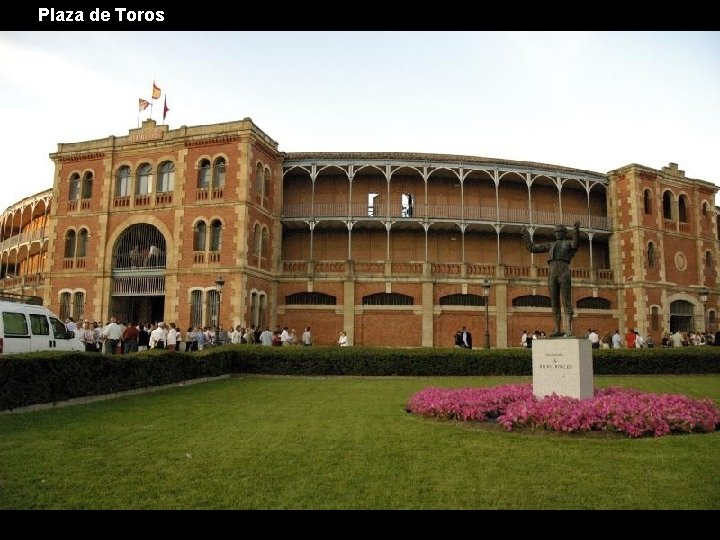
<point>153,256</point>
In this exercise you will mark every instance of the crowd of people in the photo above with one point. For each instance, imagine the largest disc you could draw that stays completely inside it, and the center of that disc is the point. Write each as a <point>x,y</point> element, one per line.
<point>123,338</point>
<point>634,340</point>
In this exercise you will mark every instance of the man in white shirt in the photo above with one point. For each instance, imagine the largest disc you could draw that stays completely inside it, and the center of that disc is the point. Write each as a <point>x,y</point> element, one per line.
<point>112,334</point>
<point>158,337</point>
<point>594,339</point>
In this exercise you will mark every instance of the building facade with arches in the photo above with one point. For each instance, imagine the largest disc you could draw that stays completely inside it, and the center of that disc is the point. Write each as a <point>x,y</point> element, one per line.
<point>396,249</point>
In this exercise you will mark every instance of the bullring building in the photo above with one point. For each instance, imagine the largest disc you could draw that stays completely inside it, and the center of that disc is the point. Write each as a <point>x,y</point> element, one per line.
<point>207,223</point>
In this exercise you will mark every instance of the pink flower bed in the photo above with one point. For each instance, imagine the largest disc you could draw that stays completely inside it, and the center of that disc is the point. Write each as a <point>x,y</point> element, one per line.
<point>622,410</point>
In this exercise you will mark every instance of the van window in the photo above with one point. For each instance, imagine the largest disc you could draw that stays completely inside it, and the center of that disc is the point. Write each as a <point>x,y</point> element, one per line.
<point>59,329</point>
<point>39,325</point>
<point>15,324</point>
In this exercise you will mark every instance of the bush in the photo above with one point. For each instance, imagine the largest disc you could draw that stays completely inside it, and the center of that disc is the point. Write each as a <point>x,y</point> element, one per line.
<point>47,377</point>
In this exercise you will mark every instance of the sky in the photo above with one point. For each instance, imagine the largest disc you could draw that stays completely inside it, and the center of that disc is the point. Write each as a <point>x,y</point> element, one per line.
<point>589,100</point>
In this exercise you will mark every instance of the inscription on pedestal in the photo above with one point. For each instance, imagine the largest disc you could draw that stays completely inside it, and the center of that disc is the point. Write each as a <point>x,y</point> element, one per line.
<point>563,366</point>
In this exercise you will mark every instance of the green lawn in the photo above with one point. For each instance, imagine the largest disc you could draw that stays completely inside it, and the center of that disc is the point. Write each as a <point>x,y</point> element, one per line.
<point>339,442</point>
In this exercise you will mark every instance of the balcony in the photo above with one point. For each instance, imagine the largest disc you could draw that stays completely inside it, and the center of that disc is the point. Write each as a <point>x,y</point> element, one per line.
<point>121,202</point>
<point>23,238</point>
<point>30,280</point>
<point>419,269</point>
<point>138,286</point>
<point>163,199</point>
<point>440,212</point>
<point>142,200</point>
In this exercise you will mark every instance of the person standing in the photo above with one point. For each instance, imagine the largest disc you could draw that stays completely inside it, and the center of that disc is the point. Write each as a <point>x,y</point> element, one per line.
<point>594,339</point>
<point>561,252</point>
<point>112,334</point>
<point>343,339</point>
<point>466,339</point>
<point>171,339</point>
<point>158,337</point>
<point>307,337</point>
<point>630,338</point>
<point>87,336</point>
<point>130,339</point>
<point>616,340</point>
<point>458,339</point>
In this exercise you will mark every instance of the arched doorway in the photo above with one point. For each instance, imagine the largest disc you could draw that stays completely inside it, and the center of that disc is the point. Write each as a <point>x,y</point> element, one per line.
<point>681,316</point>
<point>138,275</point>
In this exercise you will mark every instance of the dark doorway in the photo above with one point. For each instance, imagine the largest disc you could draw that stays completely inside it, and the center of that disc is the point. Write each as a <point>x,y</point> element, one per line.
<point>681,316</point>
<point>138,309</point>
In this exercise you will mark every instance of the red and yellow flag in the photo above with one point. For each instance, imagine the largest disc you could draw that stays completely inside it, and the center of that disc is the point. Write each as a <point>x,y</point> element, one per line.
<point>156,91</point>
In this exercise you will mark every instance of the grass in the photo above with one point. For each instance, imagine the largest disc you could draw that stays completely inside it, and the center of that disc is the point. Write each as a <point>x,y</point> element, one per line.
<point>339,442</point>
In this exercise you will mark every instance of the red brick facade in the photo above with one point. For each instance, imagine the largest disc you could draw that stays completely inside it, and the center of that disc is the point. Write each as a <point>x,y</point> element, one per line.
<point>392,248</point>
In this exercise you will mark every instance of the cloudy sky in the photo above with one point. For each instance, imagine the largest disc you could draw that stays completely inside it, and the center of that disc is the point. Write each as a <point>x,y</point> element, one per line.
<point>591,100</point>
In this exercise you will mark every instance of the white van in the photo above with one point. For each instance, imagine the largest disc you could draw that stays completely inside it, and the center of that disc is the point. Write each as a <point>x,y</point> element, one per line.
<point>27,328</point>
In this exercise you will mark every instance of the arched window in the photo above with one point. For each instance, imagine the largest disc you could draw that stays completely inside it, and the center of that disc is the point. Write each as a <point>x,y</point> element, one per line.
<point>166,177</point>
<point>682,209</point>
<point>531,300</point>
<point>254,309</point>
<point>204,174</point>
<point>647,201</point>
<point>258,308</point>
<point>655,319</point>
<point>64,306</point>
<point>711,319</point>
<point>311,298</point>
<point>212,308</point>
<point>140,245</point>
<point>709,263</point>
<point>704,208</point>
<point>70,244</point>
<point>462,300</point>
<point>260,180</point>
<point>257,240</point>
<point>219,167</point>
<point>387,299</point>
<point>87,185</point>
<point>267,178</point>
<point>196,306</point>
<point>264,245</point>
<point>199,236</point>
<point>667,205</point>
<point>122,182</point>
<point>651,255</point>
<point>593,302</point>
<point>262,310</point>
<point>144,175</point>
<point>74,192</point>
<point>215,232</point>
<point>79,307</point>
<point>82,241</point>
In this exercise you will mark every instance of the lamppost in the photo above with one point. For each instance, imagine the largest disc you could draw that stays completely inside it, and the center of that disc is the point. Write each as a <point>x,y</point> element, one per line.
<point>486,290</point>
<point>704,298</point>
<point>219,282</point>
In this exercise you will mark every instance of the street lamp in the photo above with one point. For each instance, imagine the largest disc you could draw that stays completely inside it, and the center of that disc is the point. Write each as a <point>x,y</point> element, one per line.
<point>704,298</point>
<point>219,282</point>
<point>486,291</point>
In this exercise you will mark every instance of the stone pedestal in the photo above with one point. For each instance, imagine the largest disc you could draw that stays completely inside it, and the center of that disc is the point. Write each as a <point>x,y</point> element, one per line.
<point>563,366</point>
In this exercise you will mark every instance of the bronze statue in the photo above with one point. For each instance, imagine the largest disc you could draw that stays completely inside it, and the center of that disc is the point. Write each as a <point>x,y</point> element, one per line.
<point>561,252</point>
